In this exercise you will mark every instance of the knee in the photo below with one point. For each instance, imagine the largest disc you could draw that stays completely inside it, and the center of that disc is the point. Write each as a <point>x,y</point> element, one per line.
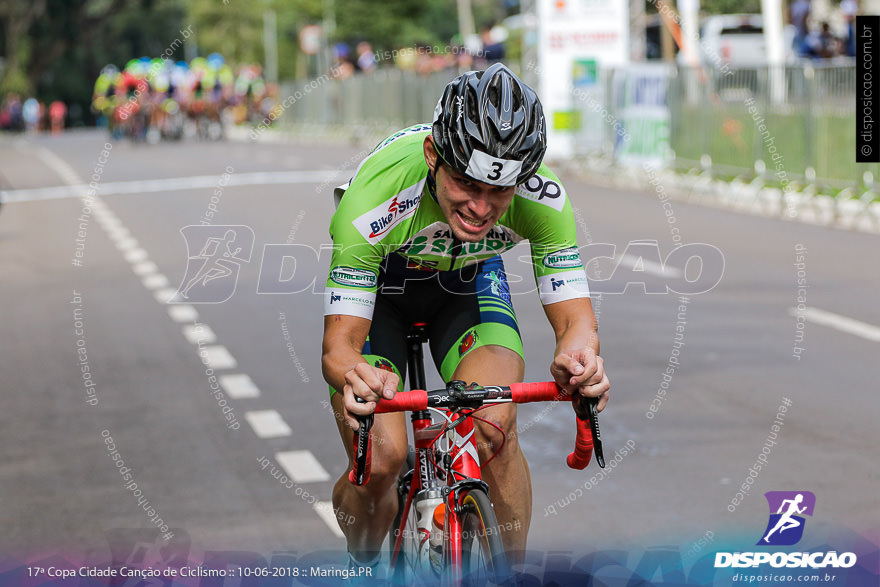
<point>490,439</point>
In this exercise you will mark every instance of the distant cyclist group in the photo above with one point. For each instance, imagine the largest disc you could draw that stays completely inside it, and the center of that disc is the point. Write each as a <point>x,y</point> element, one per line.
<point>155,99</point>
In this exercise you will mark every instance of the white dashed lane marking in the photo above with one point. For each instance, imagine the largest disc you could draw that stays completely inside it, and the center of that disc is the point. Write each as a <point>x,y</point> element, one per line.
<point>267,423</point>
<point>135,255</point>
<point>155,281</point>
<point>239,386</point>
<point>217,357</point>
<point>324,509</point>
<point>199,333</point>
<point>126,244</point>
<point>302,466</point>
<point>163,295</point>
<point>183,313</point>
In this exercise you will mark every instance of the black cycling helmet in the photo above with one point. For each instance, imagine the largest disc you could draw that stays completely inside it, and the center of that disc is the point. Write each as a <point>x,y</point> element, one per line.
<point>489,125</point>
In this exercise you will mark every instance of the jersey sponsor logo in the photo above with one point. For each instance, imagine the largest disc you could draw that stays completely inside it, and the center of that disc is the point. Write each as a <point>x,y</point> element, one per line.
<point>353,277</point>
<point>349,302</point>
<point>384,364</point>
<point>379,221</point>
<point>467,343</point>
<point>563,259</point>
<point>437,240</point>
<point>558,287</point>
<point>543,190</point>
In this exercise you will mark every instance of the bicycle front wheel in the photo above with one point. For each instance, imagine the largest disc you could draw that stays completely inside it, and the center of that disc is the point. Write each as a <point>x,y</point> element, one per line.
<point>482,553</point>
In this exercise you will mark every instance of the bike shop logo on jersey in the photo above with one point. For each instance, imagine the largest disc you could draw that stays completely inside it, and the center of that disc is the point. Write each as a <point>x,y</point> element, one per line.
<point>379,221</point>
<point>786,525</point>
<point>212,272</point>
<point>786,528</point>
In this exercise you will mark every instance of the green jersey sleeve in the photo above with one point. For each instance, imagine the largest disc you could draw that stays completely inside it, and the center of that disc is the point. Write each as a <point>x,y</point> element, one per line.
<point>546,219</point>
<point>378,208</point>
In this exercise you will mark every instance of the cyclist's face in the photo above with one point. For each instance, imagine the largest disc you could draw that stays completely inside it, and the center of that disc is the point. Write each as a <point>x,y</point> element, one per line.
<point>471,207</point>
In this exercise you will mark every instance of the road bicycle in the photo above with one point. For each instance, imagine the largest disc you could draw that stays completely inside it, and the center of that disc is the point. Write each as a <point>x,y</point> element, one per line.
<point>445,529</point>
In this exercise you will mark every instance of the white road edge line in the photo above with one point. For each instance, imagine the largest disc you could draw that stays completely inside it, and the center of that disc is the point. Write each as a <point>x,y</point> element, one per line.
<point>144,186</point>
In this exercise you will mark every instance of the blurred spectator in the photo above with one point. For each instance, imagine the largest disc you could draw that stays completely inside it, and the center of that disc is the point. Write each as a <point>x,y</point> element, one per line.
<point>10,113</point>
<point>366,62</point>
<point>820,44</point>
<point>849,9</point>
<point>343,68</point>
<point>493,49</point>
<point>31,113</point>
<point>57,114</point>
<point>800,13</point>
<point>465,59</point>
<point>424,61</point>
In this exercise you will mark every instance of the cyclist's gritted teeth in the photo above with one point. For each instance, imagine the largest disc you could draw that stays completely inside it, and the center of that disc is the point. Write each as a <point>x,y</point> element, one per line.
<point>471,224</point>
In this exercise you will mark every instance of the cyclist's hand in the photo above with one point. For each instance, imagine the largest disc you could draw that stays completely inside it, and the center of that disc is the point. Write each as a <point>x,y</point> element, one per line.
<point>370,384</point>
<point>582,372</point>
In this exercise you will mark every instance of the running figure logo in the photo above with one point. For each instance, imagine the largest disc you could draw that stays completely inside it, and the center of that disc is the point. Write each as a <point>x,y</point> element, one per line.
<point>786,525</point>
<point>212,274</point>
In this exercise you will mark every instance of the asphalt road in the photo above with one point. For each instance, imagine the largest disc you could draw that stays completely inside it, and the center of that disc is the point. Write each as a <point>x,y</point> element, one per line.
<point>85,290</point>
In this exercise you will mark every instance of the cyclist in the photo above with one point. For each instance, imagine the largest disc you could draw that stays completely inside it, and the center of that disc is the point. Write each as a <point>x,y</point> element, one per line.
<point>416,239</point>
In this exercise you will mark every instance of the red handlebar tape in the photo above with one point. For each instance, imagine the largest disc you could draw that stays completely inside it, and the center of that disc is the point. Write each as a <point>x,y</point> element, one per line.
<point>583,446</point>
<point>537,392</point>
<point>408,401</point>
<point>520,393</point>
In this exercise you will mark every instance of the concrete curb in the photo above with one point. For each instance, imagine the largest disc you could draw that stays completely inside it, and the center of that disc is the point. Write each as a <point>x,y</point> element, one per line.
<point>852,213</point>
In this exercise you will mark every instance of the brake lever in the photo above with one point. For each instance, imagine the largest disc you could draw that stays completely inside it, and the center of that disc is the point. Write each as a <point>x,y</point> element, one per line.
<point>594,428</point>
<point>591,413</point>
<point>362,447</point>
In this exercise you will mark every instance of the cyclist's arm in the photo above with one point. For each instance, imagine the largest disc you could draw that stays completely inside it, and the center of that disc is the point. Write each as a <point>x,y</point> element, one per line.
<point>577,365</point>
<point>346,370</point>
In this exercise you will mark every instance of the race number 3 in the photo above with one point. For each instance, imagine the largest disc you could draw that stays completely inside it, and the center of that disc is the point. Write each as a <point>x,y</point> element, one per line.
<point>494,170</point>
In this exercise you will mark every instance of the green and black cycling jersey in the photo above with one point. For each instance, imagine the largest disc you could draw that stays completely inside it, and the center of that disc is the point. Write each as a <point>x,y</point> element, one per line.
<point>389,207</point>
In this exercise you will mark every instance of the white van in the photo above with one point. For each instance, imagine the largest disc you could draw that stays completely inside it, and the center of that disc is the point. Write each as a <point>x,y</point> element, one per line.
<point>736,40</point>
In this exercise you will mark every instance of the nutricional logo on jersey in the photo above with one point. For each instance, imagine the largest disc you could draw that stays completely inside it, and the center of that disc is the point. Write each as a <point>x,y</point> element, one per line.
<point>353,277</point>
<point>564,259</point>
<point>786,528</point>
<point>379,221</point>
